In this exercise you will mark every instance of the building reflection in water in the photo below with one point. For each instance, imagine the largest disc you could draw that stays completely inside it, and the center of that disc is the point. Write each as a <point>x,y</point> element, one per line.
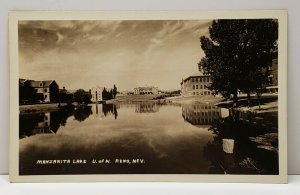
<point>104,110</point>
<point>41,123</point>
<point>200,114</point>
<point>45,122</point>
<point>146,107</point>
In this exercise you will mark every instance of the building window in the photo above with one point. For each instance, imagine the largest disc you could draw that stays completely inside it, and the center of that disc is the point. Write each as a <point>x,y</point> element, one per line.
<point>201,93</point>
<point>204,92</point>
<point>196,86</point>
<point>197,93</point>
<point>193,93</point>
<point>45,96</point>
<point>193,86</point>
<point>201,87</point>
<point>45,90</point>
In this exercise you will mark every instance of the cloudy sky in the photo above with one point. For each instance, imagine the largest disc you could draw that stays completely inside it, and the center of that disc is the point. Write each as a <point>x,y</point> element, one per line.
<point>83,54</point>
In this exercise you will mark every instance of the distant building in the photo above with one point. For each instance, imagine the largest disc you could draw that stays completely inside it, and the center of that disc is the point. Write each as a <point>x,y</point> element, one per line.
<point>125,92</point>
<point>145,90</point>
<point>273,77</point>
<point>45,91</point>
<point>96,93</point>
<point>196,85</point>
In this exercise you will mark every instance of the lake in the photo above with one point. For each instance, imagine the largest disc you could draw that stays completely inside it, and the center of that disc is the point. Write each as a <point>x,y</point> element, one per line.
<point>143,138</point>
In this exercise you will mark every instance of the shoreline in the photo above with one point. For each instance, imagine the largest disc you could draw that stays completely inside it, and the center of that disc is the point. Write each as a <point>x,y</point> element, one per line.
<point>35,108</point>
<point>269,103</point>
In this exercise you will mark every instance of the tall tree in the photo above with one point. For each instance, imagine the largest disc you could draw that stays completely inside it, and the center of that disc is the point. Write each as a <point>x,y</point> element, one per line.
<point>82,97</point>
<point>238,53</point>
<point>115,91</point>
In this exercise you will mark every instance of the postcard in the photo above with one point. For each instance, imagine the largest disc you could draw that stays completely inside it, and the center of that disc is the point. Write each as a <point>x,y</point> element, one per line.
<point>184,96</point>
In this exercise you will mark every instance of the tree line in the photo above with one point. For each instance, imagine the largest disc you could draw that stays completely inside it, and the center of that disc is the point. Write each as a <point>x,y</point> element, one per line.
<point>28,95</point>
<point>84,97</point>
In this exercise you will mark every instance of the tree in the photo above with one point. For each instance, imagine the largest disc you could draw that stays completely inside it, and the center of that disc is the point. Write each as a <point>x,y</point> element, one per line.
<point>107,94</point>
<point>115,91</point>
<point>82,97</point>
<point>238,53</point>
<point>27,94</point>
<point>64,96</point>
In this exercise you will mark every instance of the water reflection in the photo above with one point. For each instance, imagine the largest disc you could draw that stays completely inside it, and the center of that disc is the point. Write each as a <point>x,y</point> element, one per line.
<point>231,151</point>
<point>228,145</point>
<point>104,110</point>
<point>175,138</point>
<point>200,114</point>
<point>41,123</point>
<point>82,113</point>
<point>146,107</point>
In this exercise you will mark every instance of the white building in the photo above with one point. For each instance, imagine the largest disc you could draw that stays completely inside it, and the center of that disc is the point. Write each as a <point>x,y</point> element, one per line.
<point>196,85</point>
<point>145,90</point>
<point>96,93</point>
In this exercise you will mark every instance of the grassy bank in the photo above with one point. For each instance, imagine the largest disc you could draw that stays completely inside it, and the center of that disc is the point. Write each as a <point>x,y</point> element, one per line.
<point>135,98</point>
<point>267,103</point>
<point>195,99</point>
<point>40,107</point>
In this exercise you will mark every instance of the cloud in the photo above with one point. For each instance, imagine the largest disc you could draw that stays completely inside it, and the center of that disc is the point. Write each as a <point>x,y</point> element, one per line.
<point>126,53</point>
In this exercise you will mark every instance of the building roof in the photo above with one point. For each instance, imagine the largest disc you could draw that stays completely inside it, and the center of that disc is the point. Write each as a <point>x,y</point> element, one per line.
<point>22,80</point>
<point>45,83</point>
<point>198,74</point>
<point>37,83</point>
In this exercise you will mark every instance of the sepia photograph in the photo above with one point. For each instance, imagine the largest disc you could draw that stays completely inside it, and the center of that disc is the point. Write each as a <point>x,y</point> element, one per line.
<point>149,94</point>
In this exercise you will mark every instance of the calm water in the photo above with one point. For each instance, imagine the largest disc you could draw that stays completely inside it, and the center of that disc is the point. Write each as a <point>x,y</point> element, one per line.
<point>146,138</point>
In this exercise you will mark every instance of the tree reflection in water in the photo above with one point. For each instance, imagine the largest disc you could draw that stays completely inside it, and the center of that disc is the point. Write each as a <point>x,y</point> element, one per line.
<point>83,112</point>
<point>246,158</point>
<point>110,109</point>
